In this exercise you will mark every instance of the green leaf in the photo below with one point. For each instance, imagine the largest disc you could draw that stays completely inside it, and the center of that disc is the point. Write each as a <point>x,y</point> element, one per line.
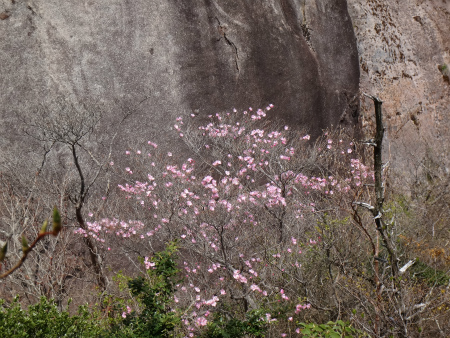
<point>334,335</point>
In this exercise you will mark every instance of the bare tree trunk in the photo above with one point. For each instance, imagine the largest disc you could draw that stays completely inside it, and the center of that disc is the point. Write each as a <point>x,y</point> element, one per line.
<point>377,211</point>
<point>79,202</point>
<point>101,281</point>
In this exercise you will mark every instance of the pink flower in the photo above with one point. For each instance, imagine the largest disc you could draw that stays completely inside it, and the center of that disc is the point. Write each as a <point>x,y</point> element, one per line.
<point>255,287</point>
<point>201,321</point>
<point>148,264</point>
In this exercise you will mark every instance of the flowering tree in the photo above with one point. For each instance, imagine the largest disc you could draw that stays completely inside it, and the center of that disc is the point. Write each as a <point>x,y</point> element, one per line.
<point>244,207</point>
<point>266,220</point>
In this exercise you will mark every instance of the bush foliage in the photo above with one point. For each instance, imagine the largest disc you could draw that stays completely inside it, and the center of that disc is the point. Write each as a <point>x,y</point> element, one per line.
<point>45,320</point>
<point>260,232</point>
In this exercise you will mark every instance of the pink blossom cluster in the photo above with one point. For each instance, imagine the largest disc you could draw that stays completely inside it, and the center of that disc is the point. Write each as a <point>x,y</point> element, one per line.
<point>149,264</point>
<point>97,230</point>
<point>301,307</point>
<point>125,313</point>
<point>360,172</point>
<point>247,190</point>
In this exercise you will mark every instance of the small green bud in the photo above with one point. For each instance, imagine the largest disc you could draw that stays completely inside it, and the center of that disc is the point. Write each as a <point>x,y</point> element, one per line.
<point>25,245</point>
<point>56,222</point>
<point>3,252</point>
<point>444,69</point>
<point>44,227</point>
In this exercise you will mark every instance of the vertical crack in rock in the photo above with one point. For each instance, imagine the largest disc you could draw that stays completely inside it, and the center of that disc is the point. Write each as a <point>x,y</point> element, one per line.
<point>306,30</point>
<point>30,18</point>
<point>32,10</point>
<point>222,31</point>
<point>298,28</point>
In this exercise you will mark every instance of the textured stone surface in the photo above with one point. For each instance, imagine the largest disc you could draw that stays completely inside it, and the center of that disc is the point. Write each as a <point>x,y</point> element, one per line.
<point>213,55</point>
<point>182,56</point>
<point>400,45</point>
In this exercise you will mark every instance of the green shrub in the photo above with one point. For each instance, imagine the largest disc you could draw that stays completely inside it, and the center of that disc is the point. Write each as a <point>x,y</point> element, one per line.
<point>223,326</point>
<point>45,320</point>
<point>429,275</point>
<point>155,294</point>
<point>336,329</point>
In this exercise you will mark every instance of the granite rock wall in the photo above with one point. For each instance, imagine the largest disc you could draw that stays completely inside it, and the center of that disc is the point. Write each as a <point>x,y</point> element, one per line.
<point>400,45</point>
<point>166,58</point>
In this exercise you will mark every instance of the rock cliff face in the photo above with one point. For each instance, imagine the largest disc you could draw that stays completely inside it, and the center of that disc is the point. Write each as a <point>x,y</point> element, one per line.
<point>400,45</point>
<point>166,58</point>
<point>182,56</point>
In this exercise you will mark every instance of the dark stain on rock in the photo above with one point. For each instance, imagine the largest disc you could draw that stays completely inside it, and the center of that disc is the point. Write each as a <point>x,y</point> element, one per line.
<point>4,15</point>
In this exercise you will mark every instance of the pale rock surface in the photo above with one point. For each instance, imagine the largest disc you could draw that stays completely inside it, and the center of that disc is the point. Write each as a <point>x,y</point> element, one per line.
<point>163,59</point>
<point>180,57</point>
